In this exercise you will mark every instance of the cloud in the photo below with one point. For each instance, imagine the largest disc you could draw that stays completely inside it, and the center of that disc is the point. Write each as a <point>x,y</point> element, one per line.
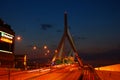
<point>46,26</point>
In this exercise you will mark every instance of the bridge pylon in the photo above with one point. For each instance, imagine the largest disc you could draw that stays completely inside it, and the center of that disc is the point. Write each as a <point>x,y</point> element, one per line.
<point>59,53</point>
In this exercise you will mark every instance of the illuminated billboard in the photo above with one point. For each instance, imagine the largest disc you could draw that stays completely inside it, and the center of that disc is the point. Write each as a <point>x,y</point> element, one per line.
<point>6,42</point>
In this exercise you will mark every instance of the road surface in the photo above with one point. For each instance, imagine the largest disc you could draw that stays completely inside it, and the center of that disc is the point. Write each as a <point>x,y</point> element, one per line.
<point>60,72</point>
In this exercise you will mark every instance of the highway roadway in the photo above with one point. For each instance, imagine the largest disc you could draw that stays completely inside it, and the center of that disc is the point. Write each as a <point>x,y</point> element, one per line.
<point>63,73</point>
<point>59,72</point>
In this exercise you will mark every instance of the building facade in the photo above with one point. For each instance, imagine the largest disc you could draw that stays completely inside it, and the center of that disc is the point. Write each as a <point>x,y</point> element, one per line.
<point>21,62</point>
<point>7,42</point>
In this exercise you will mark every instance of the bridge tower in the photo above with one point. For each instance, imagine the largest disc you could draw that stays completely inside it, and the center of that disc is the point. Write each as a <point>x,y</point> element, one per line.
<point>59,53</point>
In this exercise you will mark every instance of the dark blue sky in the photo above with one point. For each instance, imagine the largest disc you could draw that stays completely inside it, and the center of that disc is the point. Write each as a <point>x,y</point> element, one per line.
<point>94,24</point>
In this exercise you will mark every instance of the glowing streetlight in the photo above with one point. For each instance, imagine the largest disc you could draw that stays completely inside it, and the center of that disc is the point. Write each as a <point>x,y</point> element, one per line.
<point>19,38</point>
<point>34,47</point>
<point>56,51</point>
<point>45,54</point>
<point>48,51</point>
<point>45,47</point>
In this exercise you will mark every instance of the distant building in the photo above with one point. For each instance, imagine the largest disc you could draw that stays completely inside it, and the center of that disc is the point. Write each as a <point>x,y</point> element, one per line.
<point>7,41</point>
<point>21,61</point>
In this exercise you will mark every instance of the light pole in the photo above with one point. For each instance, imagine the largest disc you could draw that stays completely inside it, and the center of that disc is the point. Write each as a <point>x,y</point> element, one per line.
<point>34,47</point>
<point>19,38</point>
<point>24,58</point>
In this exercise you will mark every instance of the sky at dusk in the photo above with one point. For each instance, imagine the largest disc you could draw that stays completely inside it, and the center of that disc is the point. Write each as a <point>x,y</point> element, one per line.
<point>94,24</point>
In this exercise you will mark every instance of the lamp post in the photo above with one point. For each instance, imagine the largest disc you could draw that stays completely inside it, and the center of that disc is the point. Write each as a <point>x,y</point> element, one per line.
<point>34,47</point>
<point>24,56</point>
<point>19,38</point>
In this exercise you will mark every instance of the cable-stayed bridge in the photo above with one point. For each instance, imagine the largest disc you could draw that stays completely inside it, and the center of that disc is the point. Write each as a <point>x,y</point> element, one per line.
<point>62,57</point>
<point>60,53</point>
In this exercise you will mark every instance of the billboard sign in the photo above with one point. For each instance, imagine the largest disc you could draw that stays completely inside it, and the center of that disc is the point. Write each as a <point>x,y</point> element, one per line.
<point>6,42</point>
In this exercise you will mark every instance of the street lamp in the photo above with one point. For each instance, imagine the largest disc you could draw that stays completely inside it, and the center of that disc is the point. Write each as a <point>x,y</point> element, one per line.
<point>24,56</point>
<point>19,38</point>
<point>34,47</point>
<point>46,50</point>
<point>45,47</point>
